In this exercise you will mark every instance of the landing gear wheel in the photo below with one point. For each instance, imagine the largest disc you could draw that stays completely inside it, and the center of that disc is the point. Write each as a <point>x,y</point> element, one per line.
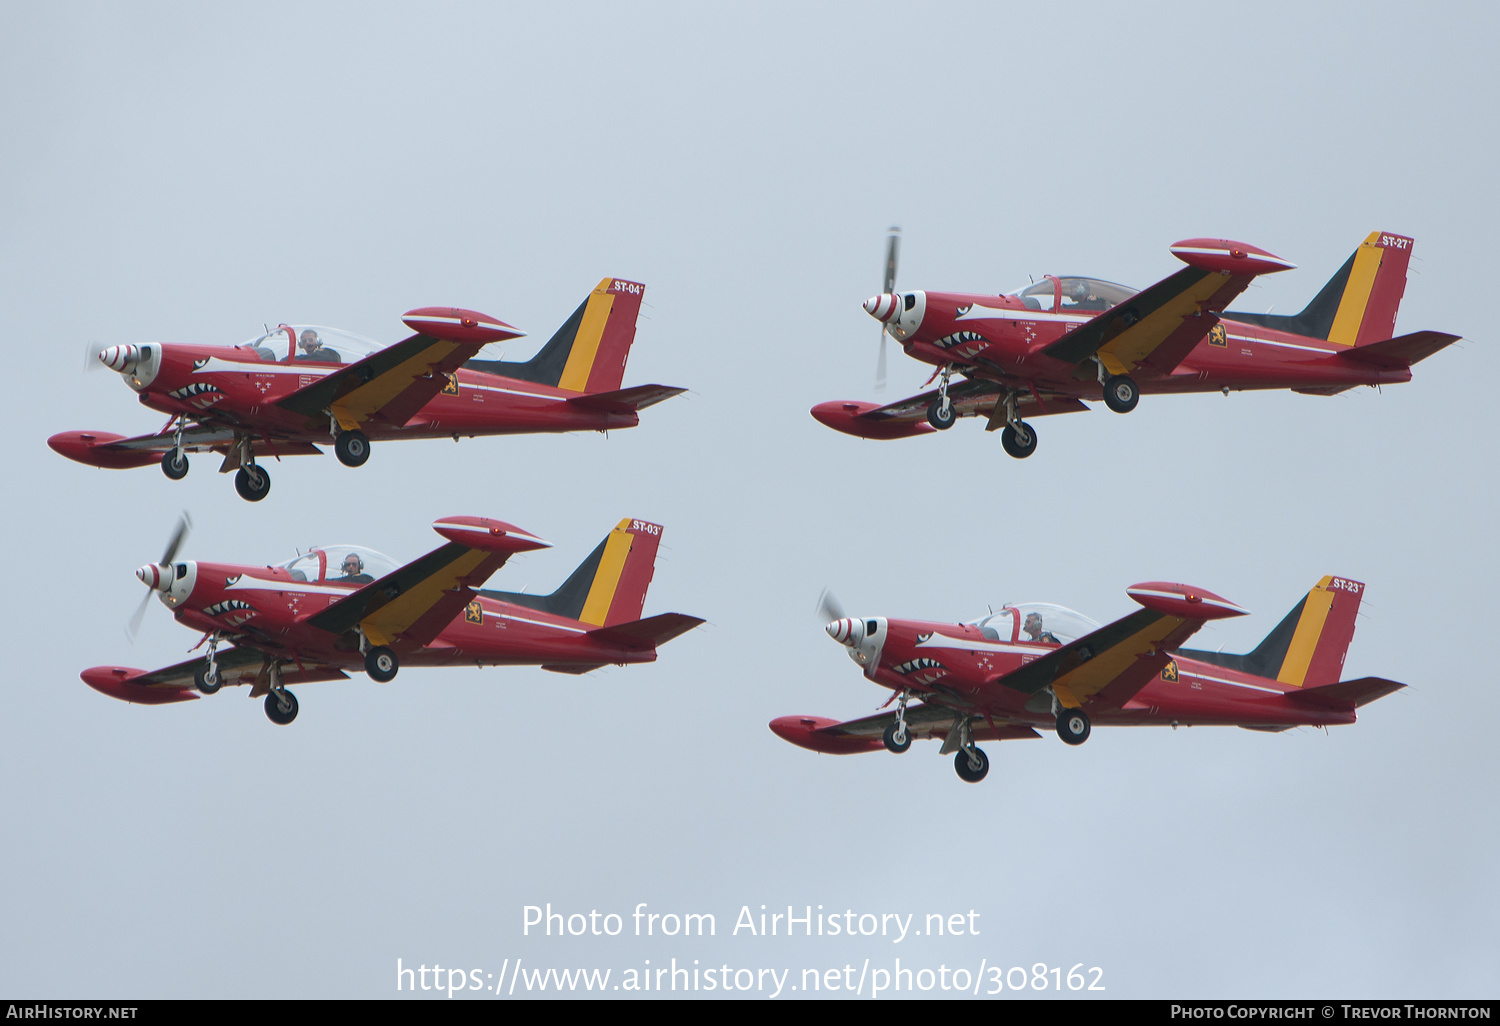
<point>381,664</point>
<point>278,713</point>
<point>966,770</point>
<point>174,464</point>
<point>941,414</point>
<point>1073,726</point>
<point>352,448</point>
<point>1121,394</point>
<point>253,483</point>
<point>206,679</point>
<point>1018,443</point>
<point>896,744</point>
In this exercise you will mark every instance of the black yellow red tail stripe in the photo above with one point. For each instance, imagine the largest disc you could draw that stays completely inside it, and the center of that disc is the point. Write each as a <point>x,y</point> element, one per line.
<point>588,353</point>
<point>1358,305</point>
<point>1307,648</point>
<point>607,588</point>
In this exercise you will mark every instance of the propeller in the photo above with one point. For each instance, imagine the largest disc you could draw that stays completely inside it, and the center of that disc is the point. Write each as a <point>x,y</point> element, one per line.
<point>163,576</point>
<point>91,360</point>
<point>829,607</point>
<point>892,250</point>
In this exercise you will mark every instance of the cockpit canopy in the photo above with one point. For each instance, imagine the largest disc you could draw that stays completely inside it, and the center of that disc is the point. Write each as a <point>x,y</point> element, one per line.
<point>337,564</point>
<point>311,343</point>
<point>1035,621</point>
<point>1066,295</point>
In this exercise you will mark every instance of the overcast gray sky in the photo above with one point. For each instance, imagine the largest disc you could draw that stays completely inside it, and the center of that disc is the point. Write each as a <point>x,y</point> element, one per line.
<point>182,172</point>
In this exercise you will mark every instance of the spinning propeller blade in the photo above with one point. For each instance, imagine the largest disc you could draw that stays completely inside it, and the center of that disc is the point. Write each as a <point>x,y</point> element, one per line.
<point>829,608</point>
<point>892,249</point>
<point>184,525</point>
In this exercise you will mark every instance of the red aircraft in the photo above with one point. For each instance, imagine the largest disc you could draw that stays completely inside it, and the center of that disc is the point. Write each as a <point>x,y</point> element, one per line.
<point>1039,665</point>
<point>344,607</point>
<point>1045,348</point>
<point>266,397</point>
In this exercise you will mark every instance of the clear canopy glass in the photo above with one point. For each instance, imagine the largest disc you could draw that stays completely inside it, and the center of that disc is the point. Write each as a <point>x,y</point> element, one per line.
<point>1065,295</point>
<point>311,343</point>
<point>336,564</point>
<point>1035,621</point>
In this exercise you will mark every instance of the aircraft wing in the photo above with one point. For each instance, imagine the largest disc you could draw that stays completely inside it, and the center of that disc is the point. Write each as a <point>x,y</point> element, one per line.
<point>392,384</point>
<point>1110,665</point>
<point>1157,328</point>
<point>175,683</point>
<point>925,720</point>
<point>103,449</point>
<point>414,604</point>
<point>970,397</point>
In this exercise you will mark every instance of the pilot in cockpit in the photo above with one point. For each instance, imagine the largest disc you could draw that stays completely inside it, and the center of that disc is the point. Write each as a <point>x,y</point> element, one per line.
<point>354,571</point>
<point>314,349</point>
<point>1082,296</point>
<point>1033,629</point>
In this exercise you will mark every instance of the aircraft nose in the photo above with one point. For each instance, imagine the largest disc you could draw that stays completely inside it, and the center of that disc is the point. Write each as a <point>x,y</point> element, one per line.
<point>155,577</point>
<point>846,631</point>
<point>119,358</point>
<point>882,307</point>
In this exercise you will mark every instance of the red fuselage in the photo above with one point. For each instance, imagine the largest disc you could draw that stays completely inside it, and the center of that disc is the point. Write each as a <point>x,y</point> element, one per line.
<point>957,665</point>
<point>232,385</point>
<point>998,338</point>
<point>268,608</point>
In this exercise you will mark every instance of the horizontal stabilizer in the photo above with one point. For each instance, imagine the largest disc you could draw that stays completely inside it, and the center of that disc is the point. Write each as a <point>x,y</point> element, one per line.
<point>1402,351</point>
<point>1347,694</point>
<point>626,400</point>
<point>647,633</point>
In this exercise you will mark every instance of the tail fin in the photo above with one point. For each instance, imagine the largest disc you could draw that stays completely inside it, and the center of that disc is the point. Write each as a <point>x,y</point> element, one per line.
<point>1306,649</point>
<point>1359,303</point>
<point>609,587</point>
<point>588,353</point>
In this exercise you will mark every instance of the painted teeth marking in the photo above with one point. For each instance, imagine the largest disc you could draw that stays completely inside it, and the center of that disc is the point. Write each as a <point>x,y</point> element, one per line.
<point>201,393</point>
<point>229,606</point>
<point>948,341</point>
<point>924,663</point>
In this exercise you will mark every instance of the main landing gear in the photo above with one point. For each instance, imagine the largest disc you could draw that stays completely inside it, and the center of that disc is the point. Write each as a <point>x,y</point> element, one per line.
<point>1121,393</point>
<point>1073,726</point>
<point>381,664</point>
<point>1017,437</point>
<point>352,448</point>
<point>970,763</point>
<point>253,483</point>
<point>251,480</point>
<point>1018,443</point>
<point>174,464</point>
<point>281,704</point>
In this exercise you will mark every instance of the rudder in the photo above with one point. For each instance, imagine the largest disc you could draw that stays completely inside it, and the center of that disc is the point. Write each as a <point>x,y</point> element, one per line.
<point>1307,648</point>
<point>588,353</point>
